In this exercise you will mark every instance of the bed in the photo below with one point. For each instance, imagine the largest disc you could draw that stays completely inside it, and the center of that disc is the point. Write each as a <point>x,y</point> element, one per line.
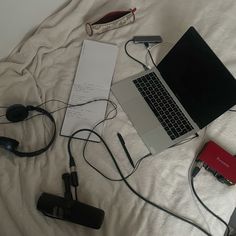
<point>43,67</point>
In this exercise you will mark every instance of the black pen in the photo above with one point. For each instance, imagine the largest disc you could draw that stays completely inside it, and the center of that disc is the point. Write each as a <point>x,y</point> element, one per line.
<point>125,149</point>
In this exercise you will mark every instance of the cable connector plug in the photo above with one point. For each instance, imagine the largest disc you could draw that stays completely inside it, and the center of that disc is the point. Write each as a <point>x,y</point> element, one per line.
<point>196,168</point>
<point>74,177</point>
<point>146,45</point>
<point>67,183</point>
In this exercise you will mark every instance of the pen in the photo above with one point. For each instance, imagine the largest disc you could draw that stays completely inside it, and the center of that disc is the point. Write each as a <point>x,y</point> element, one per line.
<point>125,149</point>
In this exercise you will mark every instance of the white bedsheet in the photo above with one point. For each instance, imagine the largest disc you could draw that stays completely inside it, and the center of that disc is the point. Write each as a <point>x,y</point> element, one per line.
<point>43,68</point>
<point>19,18</point>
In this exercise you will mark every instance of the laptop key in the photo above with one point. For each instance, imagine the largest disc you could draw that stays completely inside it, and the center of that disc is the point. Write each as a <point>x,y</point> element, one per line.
<point>163,105</point>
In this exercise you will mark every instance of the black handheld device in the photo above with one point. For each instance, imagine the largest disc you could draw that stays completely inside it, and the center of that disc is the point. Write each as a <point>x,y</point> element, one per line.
<point>70,210</point>
<point>65,208</point>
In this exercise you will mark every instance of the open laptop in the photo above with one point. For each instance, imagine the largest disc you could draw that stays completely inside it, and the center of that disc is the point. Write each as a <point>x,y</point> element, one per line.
<point>189,89</point>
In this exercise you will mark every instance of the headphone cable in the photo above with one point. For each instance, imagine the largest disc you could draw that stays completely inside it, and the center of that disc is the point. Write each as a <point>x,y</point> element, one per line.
<point>210,211</point>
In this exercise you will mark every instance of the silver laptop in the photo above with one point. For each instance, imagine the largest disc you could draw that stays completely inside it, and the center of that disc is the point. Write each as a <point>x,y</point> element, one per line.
<point>189,89</point>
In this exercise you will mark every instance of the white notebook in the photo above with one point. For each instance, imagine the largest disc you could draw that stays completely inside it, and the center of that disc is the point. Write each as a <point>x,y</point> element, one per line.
<point>92,81</point>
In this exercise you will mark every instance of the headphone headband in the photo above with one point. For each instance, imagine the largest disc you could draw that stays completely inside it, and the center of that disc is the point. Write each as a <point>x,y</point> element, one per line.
<point>5,141</point>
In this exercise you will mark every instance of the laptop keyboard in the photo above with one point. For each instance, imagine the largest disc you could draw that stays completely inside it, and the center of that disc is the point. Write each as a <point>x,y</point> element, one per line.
<point>162,104</point>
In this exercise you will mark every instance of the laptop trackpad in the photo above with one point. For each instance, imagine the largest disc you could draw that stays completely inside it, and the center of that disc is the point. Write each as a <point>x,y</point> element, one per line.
<point>140,115</point>
<point>156,140</point>
<point>147,125</point>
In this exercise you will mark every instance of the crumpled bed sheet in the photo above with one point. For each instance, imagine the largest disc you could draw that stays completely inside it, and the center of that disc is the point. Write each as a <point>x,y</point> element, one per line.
<point>43,67</point>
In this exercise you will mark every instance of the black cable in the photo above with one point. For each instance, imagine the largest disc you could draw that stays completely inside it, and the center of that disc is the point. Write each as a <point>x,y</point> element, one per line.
<point>116,164</point>
<point>71,158</point>
<point>210,211</point>
<point>151,58</point>
<point>72,161</point>
<point>126,51</point>
<point>43,103</point>
<point>185,140</point>
<point>52,100</point>
<point>131,188</point>
<point>76,196</point>
<point>68,105</point>
<point>100,172</point>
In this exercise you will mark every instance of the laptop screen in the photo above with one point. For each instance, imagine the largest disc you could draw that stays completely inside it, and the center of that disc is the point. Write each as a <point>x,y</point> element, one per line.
<point>198,78</point>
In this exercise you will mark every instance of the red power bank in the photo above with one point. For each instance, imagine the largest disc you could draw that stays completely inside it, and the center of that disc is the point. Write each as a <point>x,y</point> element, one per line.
<point>219,160</point>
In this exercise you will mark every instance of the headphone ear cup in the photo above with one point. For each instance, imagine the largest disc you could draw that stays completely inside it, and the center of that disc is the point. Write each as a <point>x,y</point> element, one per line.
<point>17,112</point>
<point>8,143</point>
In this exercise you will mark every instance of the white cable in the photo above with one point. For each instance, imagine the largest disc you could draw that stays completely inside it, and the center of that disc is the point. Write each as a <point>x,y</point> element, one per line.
<point>150,49</point>
<point>146,56</point>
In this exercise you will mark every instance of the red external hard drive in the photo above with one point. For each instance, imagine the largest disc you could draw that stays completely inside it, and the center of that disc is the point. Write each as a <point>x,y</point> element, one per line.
<point>218,161</point>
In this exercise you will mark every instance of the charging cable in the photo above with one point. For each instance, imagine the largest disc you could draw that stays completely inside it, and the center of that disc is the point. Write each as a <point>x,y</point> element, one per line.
<point>195,168</point>
<point>126,51</point>
<point>146,40</point>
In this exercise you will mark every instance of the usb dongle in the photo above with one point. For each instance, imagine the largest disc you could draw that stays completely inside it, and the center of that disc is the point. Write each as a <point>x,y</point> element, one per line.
<point>147,39</point>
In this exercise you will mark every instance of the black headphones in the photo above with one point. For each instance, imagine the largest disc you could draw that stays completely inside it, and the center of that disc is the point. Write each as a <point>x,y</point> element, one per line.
<point>17,113</point>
